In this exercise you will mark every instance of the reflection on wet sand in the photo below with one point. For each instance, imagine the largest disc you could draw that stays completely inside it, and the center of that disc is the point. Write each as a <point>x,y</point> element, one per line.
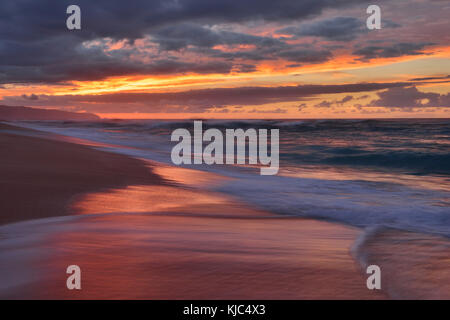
<point>159,199</point>
<point>175,257</point>
<point>145,242</point>
<point>415,266</point>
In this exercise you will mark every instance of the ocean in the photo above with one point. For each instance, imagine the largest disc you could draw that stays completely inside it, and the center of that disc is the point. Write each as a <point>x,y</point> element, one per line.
<point>393,173</point>
<point>384,177</point>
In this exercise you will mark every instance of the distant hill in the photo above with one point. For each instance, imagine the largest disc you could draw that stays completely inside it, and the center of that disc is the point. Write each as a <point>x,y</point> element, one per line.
<point>24,113</point>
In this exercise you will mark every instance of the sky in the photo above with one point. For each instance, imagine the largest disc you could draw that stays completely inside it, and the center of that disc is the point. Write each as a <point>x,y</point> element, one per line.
<point>227,58</point>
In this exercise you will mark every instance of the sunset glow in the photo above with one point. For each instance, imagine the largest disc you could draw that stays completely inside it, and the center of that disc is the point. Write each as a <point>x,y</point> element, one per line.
<point>195,55</point>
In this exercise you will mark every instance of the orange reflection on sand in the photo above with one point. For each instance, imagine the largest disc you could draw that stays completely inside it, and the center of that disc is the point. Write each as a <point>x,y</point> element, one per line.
<point>141,199</point>
<point>204,246</point>
<point>183,257</point>
<point>187,177</point>
<point>182,198</point>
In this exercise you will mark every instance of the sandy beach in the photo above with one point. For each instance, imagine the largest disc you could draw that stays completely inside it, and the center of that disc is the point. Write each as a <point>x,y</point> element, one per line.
<point>137,235</point>
<point>39,176</point>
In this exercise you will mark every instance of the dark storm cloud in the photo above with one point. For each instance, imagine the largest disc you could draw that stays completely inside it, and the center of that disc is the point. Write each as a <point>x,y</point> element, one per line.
<point>395,50</point>
<point>244,68</point>
<point>338,29</point>
<point>261,52</point>
<point>197,100</point>
<point>30,97</point>
<point>132,19</point>
<point>410,97</point>
<point>329,104</point>
<point>180,36</point>
<point>35,45</point>
<point>306,55</point>
<point>99,69</point>
<point>323,104</point>
<point>253,55</point>
<point>276,51</point>
<point>63,58</point>
<point>345,99</point>
<point>431,78</point>
<point>238,96</point>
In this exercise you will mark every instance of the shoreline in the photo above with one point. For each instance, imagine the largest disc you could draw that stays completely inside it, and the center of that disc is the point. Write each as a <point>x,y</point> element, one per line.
<point>39,177</point>
<point>160,241</point>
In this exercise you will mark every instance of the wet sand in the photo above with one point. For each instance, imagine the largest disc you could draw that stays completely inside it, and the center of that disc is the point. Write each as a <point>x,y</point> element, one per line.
<point>135,237</point>
<point>39,177</point>
<point>414,265</point>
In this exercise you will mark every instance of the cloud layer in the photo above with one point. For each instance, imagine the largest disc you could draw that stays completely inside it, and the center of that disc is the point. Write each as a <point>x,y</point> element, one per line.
<point>166,37</point>
<point>198,100</point>
<point>253,49</point>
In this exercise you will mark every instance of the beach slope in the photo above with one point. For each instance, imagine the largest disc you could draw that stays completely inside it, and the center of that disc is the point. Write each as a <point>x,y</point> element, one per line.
<point>137,237</point>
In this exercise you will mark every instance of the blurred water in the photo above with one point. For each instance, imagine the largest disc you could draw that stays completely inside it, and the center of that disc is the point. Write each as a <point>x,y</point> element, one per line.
<point>394,173</point>
<point>389,178</point>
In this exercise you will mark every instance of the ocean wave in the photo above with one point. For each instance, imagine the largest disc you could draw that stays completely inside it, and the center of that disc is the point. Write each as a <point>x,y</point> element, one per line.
<point>416,163</point>
<point>357,203</point>
<point>404,259</point>
<point>418,149</point>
